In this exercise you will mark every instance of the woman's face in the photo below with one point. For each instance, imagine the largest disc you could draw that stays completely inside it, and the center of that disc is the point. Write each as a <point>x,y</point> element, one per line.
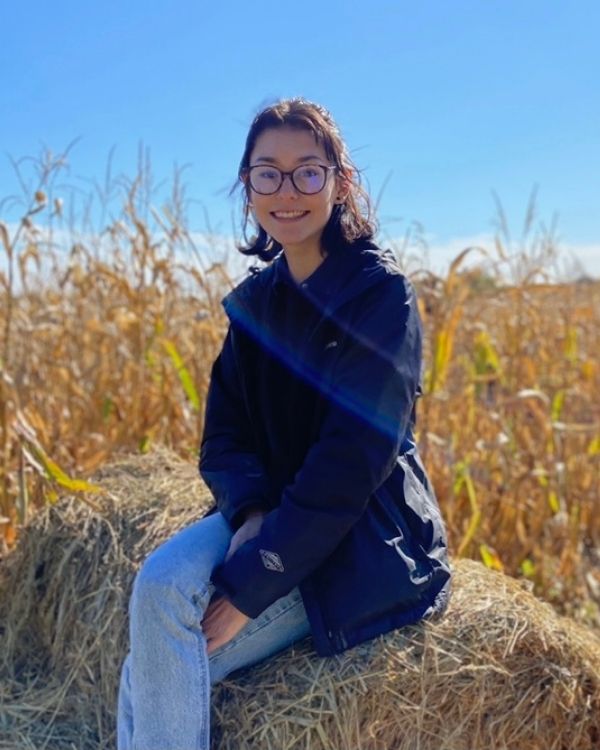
<point>293,219</point>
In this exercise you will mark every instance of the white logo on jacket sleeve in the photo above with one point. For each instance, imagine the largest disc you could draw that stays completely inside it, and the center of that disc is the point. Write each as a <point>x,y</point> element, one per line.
<point>271,560</point>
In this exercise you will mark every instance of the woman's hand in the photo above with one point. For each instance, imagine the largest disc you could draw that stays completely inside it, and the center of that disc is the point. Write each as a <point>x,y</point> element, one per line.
<point>222,622</point>
<point>248,530</point>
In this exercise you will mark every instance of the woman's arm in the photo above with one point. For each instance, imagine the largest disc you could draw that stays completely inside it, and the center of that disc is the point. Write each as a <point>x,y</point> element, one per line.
<point>370,407</point>
<point>229,463</point>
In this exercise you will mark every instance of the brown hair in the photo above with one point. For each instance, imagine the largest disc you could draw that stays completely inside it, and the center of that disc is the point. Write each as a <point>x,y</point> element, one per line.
<point>351,220</point>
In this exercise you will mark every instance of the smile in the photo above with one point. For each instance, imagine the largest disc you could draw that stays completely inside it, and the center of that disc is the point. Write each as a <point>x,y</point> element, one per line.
<point>288,214</point>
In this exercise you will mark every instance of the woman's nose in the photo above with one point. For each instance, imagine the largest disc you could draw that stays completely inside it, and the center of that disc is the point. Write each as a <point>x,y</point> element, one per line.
<point>287,187</point>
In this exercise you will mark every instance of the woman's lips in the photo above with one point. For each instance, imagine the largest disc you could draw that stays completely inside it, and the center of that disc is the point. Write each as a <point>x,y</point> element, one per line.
<point>288,216</point>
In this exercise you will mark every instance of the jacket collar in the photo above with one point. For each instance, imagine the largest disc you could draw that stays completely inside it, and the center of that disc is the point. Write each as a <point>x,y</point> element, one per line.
<point>344,274</point>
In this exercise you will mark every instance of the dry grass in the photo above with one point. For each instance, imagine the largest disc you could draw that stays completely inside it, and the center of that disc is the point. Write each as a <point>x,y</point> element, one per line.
<point>511,428</point>
<point>72,569</point>
<point>106,347</point>
<point>501,671</point>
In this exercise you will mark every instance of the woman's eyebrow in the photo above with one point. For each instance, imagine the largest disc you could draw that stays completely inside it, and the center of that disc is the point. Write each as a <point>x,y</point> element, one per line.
<point>271,160</point>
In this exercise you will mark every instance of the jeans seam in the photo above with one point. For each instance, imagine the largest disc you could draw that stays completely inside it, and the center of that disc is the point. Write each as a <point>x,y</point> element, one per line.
<point>204,734</point>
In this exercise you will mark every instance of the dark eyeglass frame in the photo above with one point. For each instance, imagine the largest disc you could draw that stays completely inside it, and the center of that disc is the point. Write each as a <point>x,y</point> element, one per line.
<point>247,173</point>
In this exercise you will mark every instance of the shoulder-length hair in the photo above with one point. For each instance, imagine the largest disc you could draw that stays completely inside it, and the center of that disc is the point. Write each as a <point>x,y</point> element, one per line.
<point>350,221</point>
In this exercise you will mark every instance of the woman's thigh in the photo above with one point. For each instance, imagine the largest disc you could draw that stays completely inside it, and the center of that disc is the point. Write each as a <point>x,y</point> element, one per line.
<point>186,561</point>
<point>276,628</point>
<point>188,558</point>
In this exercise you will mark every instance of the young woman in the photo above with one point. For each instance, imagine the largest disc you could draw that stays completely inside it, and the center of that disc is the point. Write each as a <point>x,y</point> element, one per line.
<point>325,521</point>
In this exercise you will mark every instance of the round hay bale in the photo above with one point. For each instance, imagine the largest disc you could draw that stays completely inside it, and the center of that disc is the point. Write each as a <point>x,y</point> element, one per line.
<point>500,671</point>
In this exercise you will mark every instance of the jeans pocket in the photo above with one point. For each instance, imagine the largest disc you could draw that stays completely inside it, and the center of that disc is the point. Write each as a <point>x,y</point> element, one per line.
<point>201,599</point>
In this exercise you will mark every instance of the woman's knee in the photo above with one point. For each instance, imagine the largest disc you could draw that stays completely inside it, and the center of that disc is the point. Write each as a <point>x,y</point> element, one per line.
<point>157,572</point>
<point>185,562</point>
<point>154,581</point>
<point>163,594</point>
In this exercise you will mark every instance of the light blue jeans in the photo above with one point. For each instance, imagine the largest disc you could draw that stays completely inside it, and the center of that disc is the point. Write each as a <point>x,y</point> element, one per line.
<point>164,694</point>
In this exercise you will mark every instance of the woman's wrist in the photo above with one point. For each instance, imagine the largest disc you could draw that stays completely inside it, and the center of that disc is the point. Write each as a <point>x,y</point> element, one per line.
<point>253,511</point>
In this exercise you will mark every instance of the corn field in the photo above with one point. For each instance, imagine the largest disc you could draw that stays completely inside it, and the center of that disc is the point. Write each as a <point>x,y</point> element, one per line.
<point>106,344</point>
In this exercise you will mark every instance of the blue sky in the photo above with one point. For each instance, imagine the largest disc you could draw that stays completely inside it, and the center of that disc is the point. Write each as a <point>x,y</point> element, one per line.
<point>447,101</point>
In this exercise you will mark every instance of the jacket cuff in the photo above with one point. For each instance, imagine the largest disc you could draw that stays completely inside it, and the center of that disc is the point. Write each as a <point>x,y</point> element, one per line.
<point>221,586</point>
<point>239,516</point>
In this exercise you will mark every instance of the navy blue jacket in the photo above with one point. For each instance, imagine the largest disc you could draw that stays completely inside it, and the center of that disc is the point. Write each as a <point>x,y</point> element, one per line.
<point>310,415</point>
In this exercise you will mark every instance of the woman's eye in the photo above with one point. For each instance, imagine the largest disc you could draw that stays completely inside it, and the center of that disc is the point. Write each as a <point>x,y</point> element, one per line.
<point>268,174</point>
<point>308,172</point>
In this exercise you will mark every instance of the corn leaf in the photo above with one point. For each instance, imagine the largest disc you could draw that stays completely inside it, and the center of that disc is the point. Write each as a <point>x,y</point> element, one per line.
<point>61,478</point>
<point>527,568</point>
<point>553,502</point>
<point>485,357</point>
<point>571,344</point>
<point>184,376</point>
<point>594,446</point>
<point>41,461</point>
<point>490,558</point>
<point>464,479</point>
<point>108,407</point>
<point>51,496</point>
<point>557,405</point>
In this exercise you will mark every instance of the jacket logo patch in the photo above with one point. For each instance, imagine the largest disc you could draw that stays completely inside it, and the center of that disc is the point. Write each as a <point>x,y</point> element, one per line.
<point>331,345</point>
<point>271,560</point>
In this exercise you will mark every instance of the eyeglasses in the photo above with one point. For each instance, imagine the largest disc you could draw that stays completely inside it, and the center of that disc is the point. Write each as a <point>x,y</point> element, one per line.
<point>307,179</point>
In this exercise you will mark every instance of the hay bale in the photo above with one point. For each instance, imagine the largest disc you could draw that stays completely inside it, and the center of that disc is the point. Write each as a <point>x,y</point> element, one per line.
<point>500,671</point>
